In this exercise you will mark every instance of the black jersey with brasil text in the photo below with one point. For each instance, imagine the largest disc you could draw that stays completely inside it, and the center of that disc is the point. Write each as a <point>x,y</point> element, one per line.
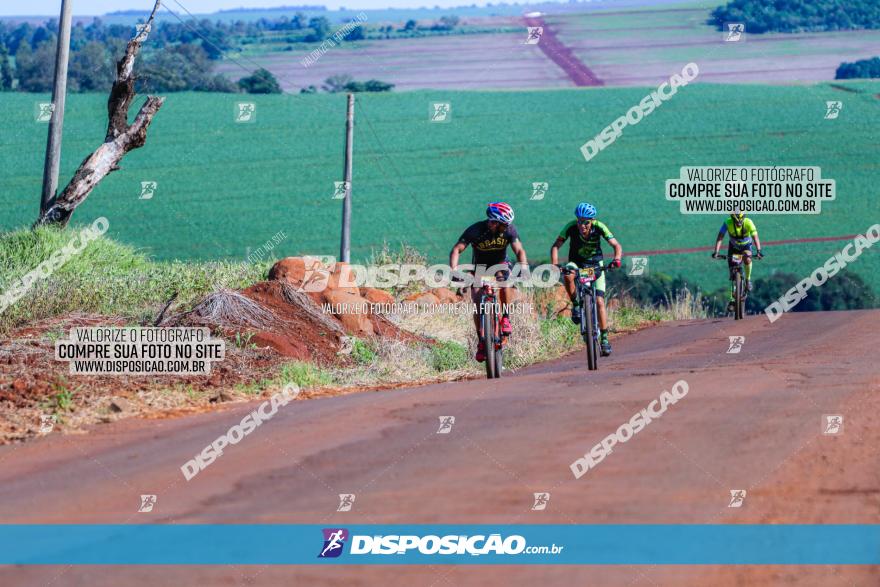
<point>490,248</point>
<point>583,249</point>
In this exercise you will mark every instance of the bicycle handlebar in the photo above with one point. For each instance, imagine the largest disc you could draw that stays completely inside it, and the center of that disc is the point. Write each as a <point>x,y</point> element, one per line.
<point>565,270</point>
<point>722,257</point>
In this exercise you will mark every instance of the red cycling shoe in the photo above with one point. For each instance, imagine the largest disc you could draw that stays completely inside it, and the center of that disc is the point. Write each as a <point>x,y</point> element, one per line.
<point>505,326</point>
<point>481,352</point>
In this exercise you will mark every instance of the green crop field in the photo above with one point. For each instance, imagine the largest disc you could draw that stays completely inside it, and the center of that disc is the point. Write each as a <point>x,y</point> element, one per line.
<point>225,188</point>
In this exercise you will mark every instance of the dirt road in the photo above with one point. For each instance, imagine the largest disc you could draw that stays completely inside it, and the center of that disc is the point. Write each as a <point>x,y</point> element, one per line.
<point>751,420</point>
<point>562,55</point>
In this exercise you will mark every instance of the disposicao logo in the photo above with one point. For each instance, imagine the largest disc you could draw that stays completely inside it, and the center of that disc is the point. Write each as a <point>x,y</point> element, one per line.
<point>334,541</point>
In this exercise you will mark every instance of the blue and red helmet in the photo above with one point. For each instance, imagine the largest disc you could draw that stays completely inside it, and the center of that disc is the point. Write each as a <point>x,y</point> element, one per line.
<point>500,212</point>
<point>585,210</point>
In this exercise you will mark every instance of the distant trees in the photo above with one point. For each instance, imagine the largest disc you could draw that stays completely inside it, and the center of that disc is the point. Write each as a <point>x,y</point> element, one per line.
<point>91,68</point>
<point>260,82</point>
<point>336,83</point>
<point>786,16</point>
<point>857,69</point>
<point>356,34</point>
<point>845,291</point>
<point>181,68</point>
<point>446,23</point>
<point>320,29</point>
<point>372,85</point>
<point>34,68</point>
<point>7,74</point>
<point>345,83</point>
<point>177,58</point>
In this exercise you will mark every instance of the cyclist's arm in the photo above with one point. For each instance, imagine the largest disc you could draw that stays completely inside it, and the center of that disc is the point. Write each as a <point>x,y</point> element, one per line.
<point>609,238</point>
<point>520,252</point>
<point>618,250</point>
<point>454,254</point>
<point>720,238</point>
<point>554,250</point>
<point>753,232</point>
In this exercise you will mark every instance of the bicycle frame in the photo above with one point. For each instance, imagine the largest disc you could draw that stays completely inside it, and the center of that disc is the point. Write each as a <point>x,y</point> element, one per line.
<point>490,327</point>
<point>585,292</point>
<point>735,264</point>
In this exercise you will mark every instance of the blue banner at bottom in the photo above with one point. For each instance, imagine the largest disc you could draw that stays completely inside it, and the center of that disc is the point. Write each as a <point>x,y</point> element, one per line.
<point>482,544</point>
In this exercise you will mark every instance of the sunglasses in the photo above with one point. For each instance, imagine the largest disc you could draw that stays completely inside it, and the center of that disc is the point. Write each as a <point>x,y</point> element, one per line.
<point>585,222</point>
<point>498,222</point>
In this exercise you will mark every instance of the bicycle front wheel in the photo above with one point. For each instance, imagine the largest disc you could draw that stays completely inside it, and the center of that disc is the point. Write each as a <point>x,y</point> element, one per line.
<point>739,301</point>
<point>489,339</point>
<point>588,319</point>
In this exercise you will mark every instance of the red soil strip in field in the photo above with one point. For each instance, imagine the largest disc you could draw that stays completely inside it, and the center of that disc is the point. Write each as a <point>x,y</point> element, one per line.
<point>818,239</point>
<point>562,56</point>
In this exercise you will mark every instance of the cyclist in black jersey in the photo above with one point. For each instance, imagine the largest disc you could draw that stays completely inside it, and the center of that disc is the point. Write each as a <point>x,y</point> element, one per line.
<point>489,240</point>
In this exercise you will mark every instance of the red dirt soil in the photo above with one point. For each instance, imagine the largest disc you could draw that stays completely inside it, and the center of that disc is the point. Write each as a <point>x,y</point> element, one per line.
<point>31,379</point>
<point>296,334</point>
<point>303,337</point>
<point>563,56</point>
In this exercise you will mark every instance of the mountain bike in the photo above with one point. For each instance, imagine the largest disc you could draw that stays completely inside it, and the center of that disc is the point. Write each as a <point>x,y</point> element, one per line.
<point>737,276</point>
<point>585,280</point>
<point>490,327</point>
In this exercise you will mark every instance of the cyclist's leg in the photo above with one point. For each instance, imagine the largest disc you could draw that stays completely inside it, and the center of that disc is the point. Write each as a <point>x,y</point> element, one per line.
<point>600,303</point>
<point>475,298</point>
<point>747,252</point>
<point>731,250</point>
<point>570,289</point>
<point>604,343</point>
<point>478,316</point>
<point>506,293</point>
<point>506,297</point>
<point>568,284</point>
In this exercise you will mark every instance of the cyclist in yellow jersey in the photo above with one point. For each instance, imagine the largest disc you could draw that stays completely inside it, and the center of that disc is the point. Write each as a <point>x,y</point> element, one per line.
<point>742,233</point>
<point>585,234</point>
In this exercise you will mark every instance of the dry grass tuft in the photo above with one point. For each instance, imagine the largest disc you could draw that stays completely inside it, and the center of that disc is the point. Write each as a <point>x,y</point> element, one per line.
<point>306,304</point>
<point>226,308</point>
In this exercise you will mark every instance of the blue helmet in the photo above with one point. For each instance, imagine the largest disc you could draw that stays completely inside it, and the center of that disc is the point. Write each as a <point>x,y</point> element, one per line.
<point>585,210</point>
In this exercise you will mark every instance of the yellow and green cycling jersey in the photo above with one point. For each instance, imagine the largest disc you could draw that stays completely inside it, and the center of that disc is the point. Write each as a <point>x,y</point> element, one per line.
<point>584,249</point>
<point>742,236</point>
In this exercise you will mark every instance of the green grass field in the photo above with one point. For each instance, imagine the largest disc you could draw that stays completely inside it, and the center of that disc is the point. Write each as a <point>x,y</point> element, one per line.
<point>225,188</point>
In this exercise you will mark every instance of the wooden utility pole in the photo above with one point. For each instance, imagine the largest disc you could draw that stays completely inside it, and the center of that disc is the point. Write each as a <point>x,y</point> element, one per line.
<point>56,123</point>
<point>345,245</point>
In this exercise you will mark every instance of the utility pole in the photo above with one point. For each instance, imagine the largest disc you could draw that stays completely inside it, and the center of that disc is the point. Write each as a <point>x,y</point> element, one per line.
<point>56,124</point>
<point>345,245</point>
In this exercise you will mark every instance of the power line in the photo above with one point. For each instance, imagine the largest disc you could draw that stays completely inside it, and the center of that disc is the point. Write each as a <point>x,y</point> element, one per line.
<point>413,197</point>
<point>209,41</point>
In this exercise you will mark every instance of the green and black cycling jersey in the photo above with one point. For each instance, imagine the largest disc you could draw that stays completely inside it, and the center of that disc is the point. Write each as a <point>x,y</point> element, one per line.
<point>584,249</point>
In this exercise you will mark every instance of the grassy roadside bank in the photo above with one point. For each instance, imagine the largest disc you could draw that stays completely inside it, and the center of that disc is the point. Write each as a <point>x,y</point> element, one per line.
<point>112,284</point>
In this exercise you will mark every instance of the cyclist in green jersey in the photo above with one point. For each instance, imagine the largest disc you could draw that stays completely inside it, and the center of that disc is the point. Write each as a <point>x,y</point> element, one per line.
<point>585,234</point>
<point>742,233</point>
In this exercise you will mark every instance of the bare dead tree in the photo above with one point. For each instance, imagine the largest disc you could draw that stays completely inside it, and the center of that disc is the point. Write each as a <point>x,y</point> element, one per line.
<point>120,139</point>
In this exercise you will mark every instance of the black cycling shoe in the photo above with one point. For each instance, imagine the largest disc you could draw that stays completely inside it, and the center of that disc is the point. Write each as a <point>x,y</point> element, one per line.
<point>604,346</point>
<point>731,306</point>
<point>576,314</point>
